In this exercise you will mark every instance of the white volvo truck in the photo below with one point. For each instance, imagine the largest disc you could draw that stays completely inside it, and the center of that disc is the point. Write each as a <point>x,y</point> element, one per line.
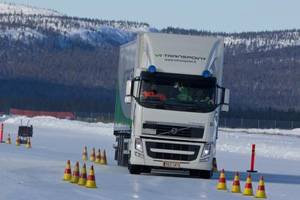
<point>168,99</point>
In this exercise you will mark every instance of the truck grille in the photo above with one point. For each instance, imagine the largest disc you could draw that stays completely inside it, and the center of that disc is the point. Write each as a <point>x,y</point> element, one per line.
<point>176,131</point>
<point>171,146</point>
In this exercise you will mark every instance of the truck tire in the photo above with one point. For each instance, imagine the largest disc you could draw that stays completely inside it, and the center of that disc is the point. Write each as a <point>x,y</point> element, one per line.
<point>134,169</point>
<point>195,173</point>
<point>206,174</point>
<point>146,169</point>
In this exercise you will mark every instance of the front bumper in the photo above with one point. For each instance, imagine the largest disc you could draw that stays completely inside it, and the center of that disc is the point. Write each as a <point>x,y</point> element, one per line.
<point>181,155</point>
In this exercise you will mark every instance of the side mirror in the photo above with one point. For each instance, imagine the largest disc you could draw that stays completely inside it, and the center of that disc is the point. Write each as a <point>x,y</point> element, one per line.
<point>225,100</point>
<point>128,99</point>
<point>224,108</point>
<point>226,96</point>
<point>128,91</point>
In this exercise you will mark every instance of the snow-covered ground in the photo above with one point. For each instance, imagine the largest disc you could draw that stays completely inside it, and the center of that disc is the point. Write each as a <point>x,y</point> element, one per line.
<point>37,173</point>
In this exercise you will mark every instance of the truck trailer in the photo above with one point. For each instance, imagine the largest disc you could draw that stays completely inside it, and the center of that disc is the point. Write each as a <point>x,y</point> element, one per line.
<point>169,96</point>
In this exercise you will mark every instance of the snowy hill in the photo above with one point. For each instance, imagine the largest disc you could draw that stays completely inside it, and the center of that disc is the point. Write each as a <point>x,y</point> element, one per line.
<point>12,8</point>
<point>20,22</point>
<point>25,23</point>
<point>263,41</point>
<point>29,22</point>
<point>246,42</point>
<point>37,173</point>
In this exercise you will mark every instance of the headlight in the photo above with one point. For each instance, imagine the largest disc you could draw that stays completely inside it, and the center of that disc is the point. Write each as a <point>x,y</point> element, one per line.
<point>139,144</point>
<point>206,150</point>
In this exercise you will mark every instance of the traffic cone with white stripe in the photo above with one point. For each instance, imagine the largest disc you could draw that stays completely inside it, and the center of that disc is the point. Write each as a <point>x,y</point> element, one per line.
<point>92,157</point>
<point>98,157</point>
<point>8,139</point>
<point>18,141</point>
<point>261,189</point>
<point>91,182</point>
<point>236,188</point>
<point>83,176</point>
<point>28,145</point>
<point>215,168</point>
<point>75,175</point>
<point>67,174</point>
<point>248,191</point>
<point>85,154</point>
<point>222,181</point>
<point>103,158</point>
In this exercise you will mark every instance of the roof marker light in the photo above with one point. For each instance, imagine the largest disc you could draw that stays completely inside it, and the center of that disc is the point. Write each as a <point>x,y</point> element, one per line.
<point>151,69</point>
<point>206,73</point>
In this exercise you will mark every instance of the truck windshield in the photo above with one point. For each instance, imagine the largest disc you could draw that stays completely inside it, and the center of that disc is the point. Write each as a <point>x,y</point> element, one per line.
<point>185,93</point>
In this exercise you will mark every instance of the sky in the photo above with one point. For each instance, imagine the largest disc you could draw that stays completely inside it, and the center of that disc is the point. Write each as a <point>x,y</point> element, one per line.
<point>211,15</point>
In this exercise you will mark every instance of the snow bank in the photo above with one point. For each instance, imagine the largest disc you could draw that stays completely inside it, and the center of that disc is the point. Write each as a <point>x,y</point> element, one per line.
<point>55,123</point>
<point>294,132</point>
<point>270,143</point>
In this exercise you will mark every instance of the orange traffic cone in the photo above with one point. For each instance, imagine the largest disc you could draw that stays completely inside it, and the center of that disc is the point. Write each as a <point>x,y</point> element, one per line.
<point>91,182</point>
<point>83,176</point>
<point>215,168</point>
<point>28,145</point>
<point>18,141</point>
<point>75,175</point>
<point>222,181</point>
<point>98,157</point>
<point>236,188</point>
<point>67,174</point>
<point>248,191</point>
<point>261,189</point>
<point>8,139</point>
<point>92,157</point>
<point>85,154</point>
<point>103,158</point>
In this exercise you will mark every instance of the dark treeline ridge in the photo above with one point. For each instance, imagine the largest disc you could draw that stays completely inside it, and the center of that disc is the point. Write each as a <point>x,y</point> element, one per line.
<point>58,59</point>
<point>45,96</point>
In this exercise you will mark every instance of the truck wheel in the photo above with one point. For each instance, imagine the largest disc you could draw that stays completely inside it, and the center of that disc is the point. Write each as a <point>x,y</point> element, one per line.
<point>134,169</point>
<point>195,173</point>
<point>201,173</point>
<point>146,170</point>
<point>206,174</point>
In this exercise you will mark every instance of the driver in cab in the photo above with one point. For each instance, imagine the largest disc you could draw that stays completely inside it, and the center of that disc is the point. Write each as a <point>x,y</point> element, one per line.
<point>153,94</point>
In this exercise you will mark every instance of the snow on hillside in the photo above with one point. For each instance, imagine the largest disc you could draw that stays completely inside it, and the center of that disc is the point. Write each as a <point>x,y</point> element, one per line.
<point>280,40</point>
<point>37,173</point>
<point>11,8</point>
<point>93,31</point>
<point>34,23</point>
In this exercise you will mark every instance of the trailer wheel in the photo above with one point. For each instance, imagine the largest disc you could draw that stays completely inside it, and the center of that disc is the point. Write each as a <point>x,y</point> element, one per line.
<point>122,146</point>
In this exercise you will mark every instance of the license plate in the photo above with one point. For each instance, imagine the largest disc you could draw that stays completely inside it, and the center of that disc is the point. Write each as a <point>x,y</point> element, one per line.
<point>171,164</point>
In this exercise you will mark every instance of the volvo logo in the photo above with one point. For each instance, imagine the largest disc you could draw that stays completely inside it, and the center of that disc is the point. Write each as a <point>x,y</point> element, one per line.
<point>174,130</point>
